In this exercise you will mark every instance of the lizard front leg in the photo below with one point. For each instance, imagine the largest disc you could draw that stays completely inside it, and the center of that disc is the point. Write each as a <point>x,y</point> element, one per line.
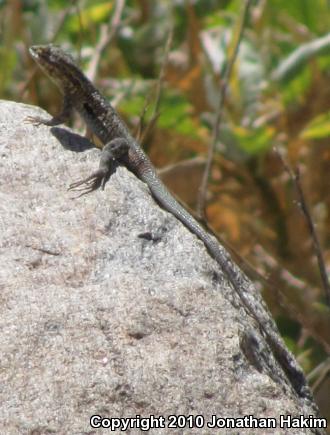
<point>110,154</point>
<point>61,118</point>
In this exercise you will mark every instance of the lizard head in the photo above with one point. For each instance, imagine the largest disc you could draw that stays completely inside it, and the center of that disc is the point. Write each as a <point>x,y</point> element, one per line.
<point>58,65</point>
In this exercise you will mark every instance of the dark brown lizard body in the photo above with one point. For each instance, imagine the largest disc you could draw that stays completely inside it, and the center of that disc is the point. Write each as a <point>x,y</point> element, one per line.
<point>120,147</point>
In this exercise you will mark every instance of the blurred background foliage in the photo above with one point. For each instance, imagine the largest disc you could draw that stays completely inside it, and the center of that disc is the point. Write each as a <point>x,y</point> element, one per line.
<point>276,113</point>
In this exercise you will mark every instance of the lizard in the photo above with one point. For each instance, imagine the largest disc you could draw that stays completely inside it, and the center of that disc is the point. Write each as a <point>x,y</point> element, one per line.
<point>120,148</point>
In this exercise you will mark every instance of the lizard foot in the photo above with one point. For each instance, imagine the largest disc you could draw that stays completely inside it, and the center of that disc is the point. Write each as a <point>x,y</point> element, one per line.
<point>113,150</point>
<point>96,180</point>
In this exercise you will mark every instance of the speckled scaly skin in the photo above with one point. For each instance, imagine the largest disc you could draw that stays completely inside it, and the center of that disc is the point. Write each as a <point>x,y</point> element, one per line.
<point>121,148</point>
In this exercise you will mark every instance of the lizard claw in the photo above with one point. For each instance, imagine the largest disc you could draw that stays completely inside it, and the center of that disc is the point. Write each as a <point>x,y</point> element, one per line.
<point>35,120</point>
<point>89,184</point>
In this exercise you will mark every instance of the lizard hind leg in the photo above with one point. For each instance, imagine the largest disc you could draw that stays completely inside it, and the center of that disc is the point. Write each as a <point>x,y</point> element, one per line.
<point>110,154</point>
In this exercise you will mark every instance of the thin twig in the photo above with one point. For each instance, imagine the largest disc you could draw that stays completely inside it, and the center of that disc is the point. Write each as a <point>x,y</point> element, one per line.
<point>73,4</point>
<point>140,127</point>
<point>159,91</point>
<point>108,32</point>
<point>81,32</point>
<point>284,290</point>
<point>322,370</point>
<point>316,243</point>
<point>295,177</point>
<point>216,128</point>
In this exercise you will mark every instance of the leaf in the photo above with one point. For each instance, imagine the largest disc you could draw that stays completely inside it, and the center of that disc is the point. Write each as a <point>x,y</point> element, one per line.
<point>248,75</point>
<point>90,16</point>
<point>291,66</point>
<point>176,114</point>
<point>254,141</point>
<point>318,128</point>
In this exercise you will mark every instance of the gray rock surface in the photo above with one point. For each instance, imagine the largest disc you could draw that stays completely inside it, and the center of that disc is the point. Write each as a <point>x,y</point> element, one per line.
<point>110,306</point>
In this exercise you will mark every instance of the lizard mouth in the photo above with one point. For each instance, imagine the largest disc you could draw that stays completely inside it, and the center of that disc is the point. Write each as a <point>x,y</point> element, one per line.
<point>50,55</point>
<point>40,54</point>
<point>35,51</point>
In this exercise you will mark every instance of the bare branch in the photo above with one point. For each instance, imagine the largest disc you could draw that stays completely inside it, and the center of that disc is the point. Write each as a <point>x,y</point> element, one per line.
<point>108,31</point>
<point>295,177</point>
<point>321,371</point>
<point>316,243</point>
<point>159,91</point>
<point>216,127</point>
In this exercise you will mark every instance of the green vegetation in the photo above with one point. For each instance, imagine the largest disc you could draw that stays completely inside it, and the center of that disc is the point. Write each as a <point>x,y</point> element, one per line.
<point>277,104</point>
